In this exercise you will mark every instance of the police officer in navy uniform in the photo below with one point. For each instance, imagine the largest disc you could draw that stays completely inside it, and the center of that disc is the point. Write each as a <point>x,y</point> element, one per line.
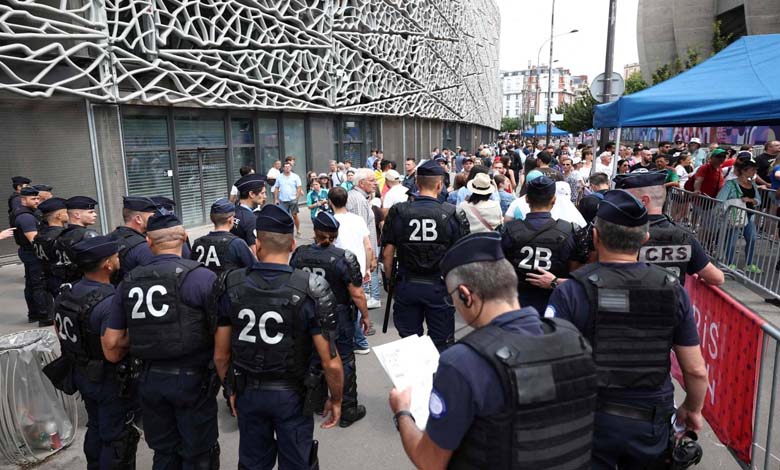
<point>165,307</point>
<point>220,250</point>
<point>633,313</point>
<point>81,214</point>
<point>517,392</point>
<point>539,245</point>
<point>277,318</point>
<point>82,312</point>
<point>342,271</point>
<point>18,182</point>
<point>26,219</point>
<point>420,232</point>
<point>167,204</point>
<point>133,249</point>
<point>251,195</point>
<point>669,246</point>
<point>55,216</point>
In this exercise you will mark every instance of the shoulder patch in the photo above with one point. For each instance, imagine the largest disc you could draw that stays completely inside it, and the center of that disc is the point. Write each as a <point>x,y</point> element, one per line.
<point>436,406</point>
<point>549,312</point>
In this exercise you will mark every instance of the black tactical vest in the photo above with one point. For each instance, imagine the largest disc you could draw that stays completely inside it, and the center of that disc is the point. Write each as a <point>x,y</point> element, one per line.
<point>77,339</point>
<point>64,268</point>
<point>11,199</point>
<point>323,263</point>
<point>44,246</point>
<point>549,384</point>
<point>532,249</point>
<point>127,239</point>
<point>425,237</point>
<point>270,340</point>
<point>631,324</point>
<point>668,247</point>
<point>161,326</point>
<point>212,250</point>
<point>19,237</point>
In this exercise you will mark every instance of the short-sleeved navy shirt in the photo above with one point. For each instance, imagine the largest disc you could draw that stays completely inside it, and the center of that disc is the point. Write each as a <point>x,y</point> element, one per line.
<point>570,302</point>
<point>26,223</point>
<point>270,272</point>
<point>238,253</point>
<point>466,385</point>
<point>393,231</point>
<point>98,319</point>
<point>139,255</point>
<point>14,202</point>
<point>244,227</point>
<point>341,266</point>
<point>195,291</point>
<point>699,259</point>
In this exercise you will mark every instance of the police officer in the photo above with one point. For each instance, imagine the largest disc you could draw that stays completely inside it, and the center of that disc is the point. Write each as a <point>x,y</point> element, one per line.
<point>55,216</point>
<point>633,313</point>
<point>81,214</point>
<point>669,246</point>
<point>81,318</point>
<point>539,244</point>
<point>133,249</point>
<point>26,219</point>
<point>342,271</point>
<point>599,185</point>
<point>44,191</point>
<point>167,204</point>
<point>251,195</point>
<point>165,307</point>
<point>421,231</point>
<point>18,182</point>
<point>277,318</point>
<point>518,392</point>
<point>220,250</point>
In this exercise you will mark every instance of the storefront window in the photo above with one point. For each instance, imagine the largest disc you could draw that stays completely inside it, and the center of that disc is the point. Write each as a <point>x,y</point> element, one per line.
<point>269,142</point>
<point>295,145</point>
<point>148,157</point>
<point>243,139</point>
<point>352,138</point>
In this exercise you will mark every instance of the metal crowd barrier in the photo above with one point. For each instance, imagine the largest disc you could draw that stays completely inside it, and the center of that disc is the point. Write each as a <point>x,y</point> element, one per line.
<point>765,440</point>
<point>750,253</point>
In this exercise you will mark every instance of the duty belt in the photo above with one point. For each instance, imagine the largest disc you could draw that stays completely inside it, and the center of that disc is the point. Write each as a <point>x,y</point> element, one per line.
<point>177,370</point>
<point>632,412</point>
<point>255,383</point>
<point>422,278</point>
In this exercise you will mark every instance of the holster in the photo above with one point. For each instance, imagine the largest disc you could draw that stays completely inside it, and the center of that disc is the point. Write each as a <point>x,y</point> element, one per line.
<point>94,370</point>
<point>60,373</point>
<point>316,391</point>
<point>353,312</point>
<point>314,460</point>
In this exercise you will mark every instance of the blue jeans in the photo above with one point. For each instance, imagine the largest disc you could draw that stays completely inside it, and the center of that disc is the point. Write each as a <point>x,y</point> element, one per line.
<point>371,288</point>
<point>749,233</point>
<point>360,339</point>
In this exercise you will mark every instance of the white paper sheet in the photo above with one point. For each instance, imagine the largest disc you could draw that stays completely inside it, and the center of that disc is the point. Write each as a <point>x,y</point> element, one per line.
<point>411,362</point>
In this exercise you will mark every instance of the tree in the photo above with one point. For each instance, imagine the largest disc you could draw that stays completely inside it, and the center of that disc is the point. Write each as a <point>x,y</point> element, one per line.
<point>509,124</point>
<point>719,40</point>
<point>578,116</point>
<point>635,82</point>
<point>667,71</point>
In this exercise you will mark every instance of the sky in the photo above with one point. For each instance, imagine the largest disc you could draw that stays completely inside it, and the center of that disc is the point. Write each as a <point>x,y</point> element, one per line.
<point>525,24</point>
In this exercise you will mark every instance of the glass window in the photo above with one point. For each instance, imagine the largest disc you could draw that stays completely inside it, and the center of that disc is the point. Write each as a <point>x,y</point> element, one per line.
<point>202,180</point>
<point>149,173</point>
<point>241,132</point>
<point>269,142</point>
<point>352,137</point>
<point>295,145</point>
<point>243,138</point>
<point>145,131</point>
<point>195,132</point>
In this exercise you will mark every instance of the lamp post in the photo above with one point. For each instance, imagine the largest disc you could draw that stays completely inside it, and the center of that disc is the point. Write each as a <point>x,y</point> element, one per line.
<point>549,73</point>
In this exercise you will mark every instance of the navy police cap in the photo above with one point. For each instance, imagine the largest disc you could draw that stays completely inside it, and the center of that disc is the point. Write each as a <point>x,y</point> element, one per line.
<point>43,187</point>
<point>326,222</point>
<point>641,179</point>
<point>541,187</point>
<point>621,208</point>
<point>81,202</point>
<point>163,202</point>
<point>28,191</point>
<point>475,248</point>
<point>161,220</point>
<point>252,182</point>
<point>19,180</point>
<point>223,206</point>
<point>94,249</point>
<point>51,205</point>
<point>139,204</point>
<point>430,168</point>
<point>273,218</point>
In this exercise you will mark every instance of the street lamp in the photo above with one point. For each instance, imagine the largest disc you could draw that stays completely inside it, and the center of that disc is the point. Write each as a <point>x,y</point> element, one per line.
<point>549,73</point>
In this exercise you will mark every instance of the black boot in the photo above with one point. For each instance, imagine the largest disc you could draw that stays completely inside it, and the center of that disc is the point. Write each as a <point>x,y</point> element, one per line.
<point>351,415</point>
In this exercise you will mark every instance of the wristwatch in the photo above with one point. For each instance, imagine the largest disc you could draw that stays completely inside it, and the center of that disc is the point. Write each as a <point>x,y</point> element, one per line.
<point>554,283</point>
<point>399,414</point>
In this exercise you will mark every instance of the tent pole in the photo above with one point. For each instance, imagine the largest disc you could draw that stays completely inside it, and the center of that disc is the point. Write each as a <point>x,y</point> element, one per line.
<point>617,151</point>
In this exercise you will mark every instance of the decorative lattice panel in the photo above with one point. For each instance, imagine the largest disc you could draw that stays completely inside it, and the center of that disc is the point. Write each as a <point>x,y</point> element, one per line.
<point>425,58</point>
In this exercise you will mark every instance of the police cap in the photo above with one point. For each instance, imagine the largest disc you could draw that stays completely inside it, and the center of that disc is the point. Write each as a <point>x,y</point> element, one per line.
<point>273,218</point>
<point>541,187</point>
<point>640,179</point>
<point>477,247</point>
<point>621,208</point>
<point>28,191</point>
<point>19,180</point>
<point>139,204</point>
<point>161,220</point>
<point>163,202</point>
<point>94,249</point>
<point>51,205</point>
<point>43,187</point>
<point>81,202</point>
<point>326,222</point>
<point>222,206</point>
<point>430,168</point>
<point>253,182</point>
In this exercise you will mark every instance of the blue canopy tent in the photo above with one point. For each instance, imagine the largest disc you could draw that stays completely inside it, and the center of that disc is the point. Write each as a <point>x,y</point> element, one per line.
<point>737,86</point>
<point>541,130</point>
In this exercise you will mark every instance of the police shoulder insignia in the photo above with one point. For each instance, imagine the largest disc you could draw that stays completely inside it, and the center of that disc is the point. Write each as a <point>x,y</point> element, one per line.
<point>549,312</point>
<point>436,406</point>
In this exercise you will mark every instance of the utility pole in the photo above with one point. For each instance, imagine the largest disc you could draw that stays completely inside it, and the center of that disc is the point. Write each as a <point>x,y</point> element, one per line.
<point>549,76</point>
<point>608,68</point>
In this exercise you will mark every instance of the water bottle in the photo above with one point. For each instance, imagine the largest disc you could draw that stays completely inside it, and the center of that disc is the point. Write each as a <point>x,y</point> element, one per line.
<point>54,437</point>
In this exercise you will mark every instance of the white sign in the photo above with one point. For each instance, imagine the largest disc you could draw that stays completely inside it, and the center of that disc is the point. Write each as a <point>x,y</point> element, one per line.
<point>616,89</point>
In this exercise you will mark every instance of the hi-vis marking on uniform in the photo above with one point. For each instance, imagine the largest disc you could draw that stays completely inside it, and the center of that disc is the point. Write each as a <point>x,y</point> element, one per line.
<point>665,254</point>
<point>245,336</point>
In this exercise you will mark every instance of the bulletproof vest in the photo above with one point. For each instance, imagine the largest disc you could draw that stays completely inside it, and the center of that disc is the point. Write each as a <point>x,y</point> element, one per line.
<point>44,246</point>
<point>425,236</point>
<point>668,247</point>
<point>631,324</point>
<point>241,213</point>
<point>322,262</point>
<point>270,340</point>
<point>161,325</point>
<point>77,339</point>
<point>64,268</point>
<point>533,249</point>
<point>549,384</point>
<point>19,237</point>
<point>212,250</point>
<point>127,239</point>
<point>11,199</point>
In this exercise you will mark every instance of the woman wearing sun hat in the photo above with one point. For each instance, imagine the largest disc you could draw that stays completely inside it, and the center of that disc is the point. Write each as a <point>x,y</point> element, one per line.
<point>479,213</point>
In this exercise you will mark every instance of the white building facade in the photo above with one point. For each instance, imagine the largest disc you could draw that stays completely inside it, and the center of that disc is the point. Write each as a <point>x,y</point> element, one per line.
<point>525,91</point>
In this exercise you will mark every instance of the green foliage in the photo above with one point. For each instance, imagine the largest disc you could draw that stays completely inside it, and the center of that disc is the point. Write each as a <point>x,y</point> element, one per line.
<point>720,40</point>
<point>634,83</point>
<point>667,71</point>
<point>577,117</point>
<point>509,124</point>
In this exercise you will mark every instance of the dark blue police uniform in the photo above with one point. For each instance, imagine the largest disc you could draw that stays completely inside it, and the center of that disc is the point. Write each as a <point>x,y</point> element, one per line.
<point>245,219</point>
<point>133,249</point>
<point>44,245</point>
<point>26,220</point>
<point>166,306</point>
<point>237,255</point>
<point>13,200</point>
<point>169,205</point>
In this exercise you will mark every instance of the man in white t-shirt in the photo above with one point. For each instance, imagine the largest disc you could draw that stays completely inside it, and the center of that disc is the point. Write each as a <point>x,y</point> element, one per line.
<point>243,171</point>
<point>397,192</point>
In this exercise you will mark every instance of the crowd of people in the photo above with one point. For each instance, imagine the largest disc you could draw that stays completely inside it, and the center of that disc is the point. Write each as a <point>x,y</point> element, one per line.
<point>537,247</point>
